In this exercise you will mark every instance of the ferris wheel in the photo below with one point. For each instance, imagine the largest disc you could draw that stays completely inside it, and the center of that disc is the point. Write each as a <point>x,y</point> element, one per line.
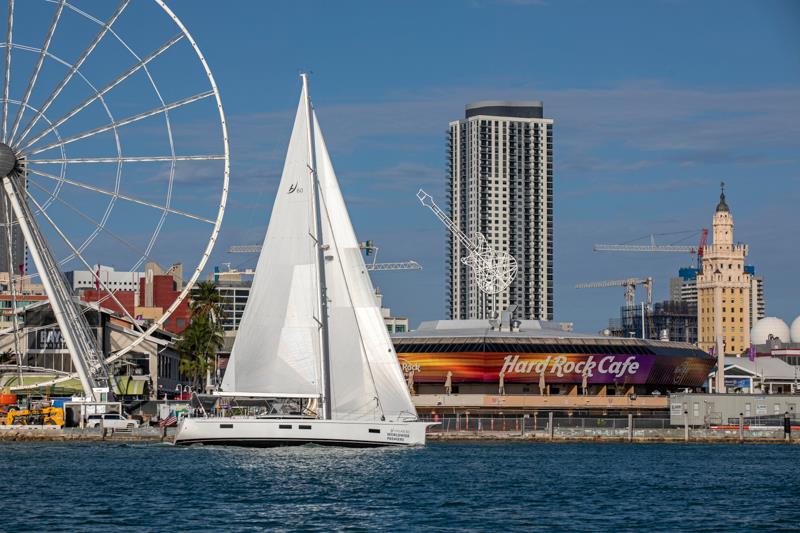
<point>114,150</point>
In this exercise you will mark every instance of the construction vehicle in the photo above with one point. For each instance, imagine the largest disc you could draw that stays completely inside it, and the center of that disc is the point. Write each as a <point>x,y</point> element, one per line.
<point>43,416</point>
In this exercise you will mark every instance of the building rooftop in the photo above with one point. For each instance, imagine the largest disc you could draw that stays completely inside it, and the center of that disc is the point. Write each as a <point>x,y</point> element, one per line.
<point>528,330</point>
<point>506,108</point>
<point>767,367</point>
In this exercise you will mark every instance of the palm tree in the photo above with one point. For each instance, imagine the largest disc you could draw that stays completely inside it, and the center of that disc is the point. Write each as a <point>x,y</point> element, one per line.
<point>205,301</point>
<point>202,339</point>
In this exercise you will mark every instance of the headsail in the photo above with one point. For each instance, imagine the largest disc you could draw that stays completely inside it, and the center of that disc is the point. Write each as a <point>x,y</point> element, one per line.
<point>277,346</point>
<point>366,379</point>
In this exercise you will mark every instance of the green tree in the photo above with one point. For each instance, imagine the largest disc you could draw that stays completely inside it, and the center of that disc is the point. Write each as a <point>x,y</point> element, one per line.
<point>202,338</point>
<point>205,301</point>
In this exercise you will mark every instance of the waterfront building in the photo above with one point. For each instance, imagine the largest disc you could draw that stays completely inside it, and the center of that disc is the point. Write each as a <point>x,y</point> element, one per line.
<point>760,409</point>
<point>500,183</point>
<point>762,375</point>
<point>683,288</point>
<point>543,358</point>
<point>723,289</point>
<point>150,370</point>
<point>233,287</point>
<point>27,293</point>
<point>394,324</point>
<point>111,279</point>
<point>772,337</point>
<point>158,289</point>
<point>147,299</point>
<point>758,305</point>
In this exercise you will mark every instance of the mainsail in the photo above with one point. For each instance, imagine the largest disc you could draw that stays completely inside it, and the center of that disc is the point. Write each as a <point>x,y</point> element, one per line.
<point>277,346</point>
<point>278,349</point>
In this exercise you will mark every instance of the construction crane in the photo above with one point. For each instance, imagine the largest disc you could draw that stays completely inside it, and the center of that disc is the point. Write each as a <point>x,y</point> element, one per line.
<point>369,249</point>
<point>653,247</point>
<point>629,284</point>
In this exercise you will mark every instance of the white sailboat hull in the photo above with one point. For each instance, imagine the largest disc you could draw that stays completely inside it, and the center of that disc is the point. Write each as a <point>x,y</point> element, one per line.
<point>270,432</point>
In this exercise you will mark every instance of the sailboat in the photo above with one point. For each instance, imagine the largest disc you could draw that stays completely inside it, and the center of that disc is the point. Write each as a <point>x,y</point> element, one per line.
<point>312,333</point>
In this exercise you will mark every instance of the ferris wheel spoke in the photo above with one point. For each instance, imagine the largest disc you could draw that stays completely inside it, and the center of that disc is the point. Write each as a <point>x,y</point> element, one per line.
<point>127,159</point>
<point>37,68</point>
<point>7,71</point>
<point>102,92</point>
<point>80,257</point>
<point>98,225</point>
<point>113,194</point>
<point>77,65</point>
<point>124,122</point>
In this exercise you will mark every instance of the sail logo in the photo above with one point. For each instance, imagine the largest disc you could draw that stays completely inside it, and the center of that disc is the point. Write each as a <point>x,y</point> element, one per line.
<point>295,188</point>
<point>560,365</point>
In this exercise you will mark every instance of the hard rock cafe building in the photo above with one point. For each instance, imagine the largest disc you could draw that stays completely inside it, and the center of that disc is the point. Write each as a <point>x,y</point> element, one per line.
<point>534,365</point>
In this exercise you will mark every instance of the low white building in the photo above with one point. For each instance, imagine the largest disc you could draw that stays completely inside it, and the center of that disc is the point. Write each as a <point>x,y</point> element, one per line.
<point>113,280</point>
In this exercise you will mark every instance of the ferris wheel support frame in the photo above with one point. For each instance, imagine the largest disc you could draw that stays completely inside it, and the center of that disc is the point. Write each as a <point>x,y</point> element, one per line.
<point>75,329</point>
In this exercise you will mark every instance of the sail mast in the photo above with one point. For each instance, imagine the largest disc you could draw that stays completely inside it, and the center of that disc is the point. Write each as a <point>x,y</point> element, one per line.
<point>323,289</point>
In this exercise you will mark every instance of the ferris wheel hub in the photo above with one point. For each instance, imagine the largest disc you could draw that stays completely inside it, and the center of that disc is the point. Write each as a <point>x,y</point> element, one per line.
<point>8,160</point>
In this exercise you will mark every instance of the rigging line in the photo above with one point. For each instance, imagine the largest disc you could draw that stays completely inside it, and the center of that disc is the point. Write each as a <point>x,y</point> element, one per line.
<point>85,263</point>
<point>127,159</point>
<point>97,224</point>
<point>102,92</point>
<point>36,70</point>
<point>7,72</point>
<point>86,53</point>
<point>349,294</point>
<point>132,199</point>
<point>125,121</point>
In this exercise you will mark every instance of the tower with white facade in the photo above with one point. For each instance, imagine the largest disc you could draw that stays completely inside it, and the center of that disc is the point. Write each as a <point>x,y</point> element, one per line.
<point>500,183</point>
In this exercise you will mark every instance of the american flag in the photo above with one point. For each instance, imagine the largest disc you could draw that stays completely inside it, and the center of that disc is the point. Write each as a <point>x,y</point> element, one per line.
<point>171,420</point>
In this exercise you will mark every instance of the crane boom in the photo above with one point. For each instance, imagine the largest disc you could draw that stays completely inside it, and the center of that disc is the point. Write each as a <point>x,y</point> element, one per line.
<point>397,265</point>
<point>629,284</point>
<point>669,248</point>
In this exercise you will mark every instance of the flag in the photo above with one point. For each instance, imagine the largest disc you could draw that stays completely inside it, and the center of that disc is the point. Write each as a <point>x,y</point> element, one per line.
<point>171,420</point>
<point>752,353</point>
<point>711,350</point>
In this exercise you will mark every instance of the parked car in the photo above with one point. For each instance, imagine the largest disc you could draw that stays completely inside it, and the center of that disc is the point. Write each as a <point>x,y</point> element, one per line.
<point>111,420</point>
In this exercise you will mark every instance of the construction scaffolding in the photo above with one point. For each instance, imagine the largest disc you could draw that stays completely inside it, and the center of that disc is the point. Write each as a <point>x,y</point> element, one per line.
<point>668,320</point>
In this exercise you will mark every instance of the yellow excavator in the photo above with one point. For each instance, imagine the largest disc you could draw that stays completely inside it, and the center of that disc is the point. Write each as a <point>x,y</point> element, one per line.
<point>44,416</point>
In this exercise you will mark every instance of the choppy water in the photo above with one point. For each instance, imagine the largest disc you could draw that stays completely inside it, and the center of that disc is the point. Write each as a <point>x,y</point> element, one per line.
<point>444,487</point>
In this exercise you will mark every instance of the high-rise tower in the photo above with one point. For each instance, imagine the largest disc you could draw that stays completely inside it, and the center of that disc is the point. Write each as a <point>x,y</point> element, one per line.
<point>723,289</point>
<point>500,183</point>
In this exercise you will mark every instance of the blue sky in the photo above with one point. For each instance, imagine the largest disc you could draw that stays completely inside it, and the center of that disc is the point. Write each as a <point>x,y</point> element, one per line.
<point>654,104</point>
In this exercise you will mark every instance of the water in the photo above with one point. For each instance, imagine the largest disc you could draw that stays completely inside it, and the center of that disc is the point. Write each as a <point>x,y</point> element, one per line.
<point>444,487</point>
